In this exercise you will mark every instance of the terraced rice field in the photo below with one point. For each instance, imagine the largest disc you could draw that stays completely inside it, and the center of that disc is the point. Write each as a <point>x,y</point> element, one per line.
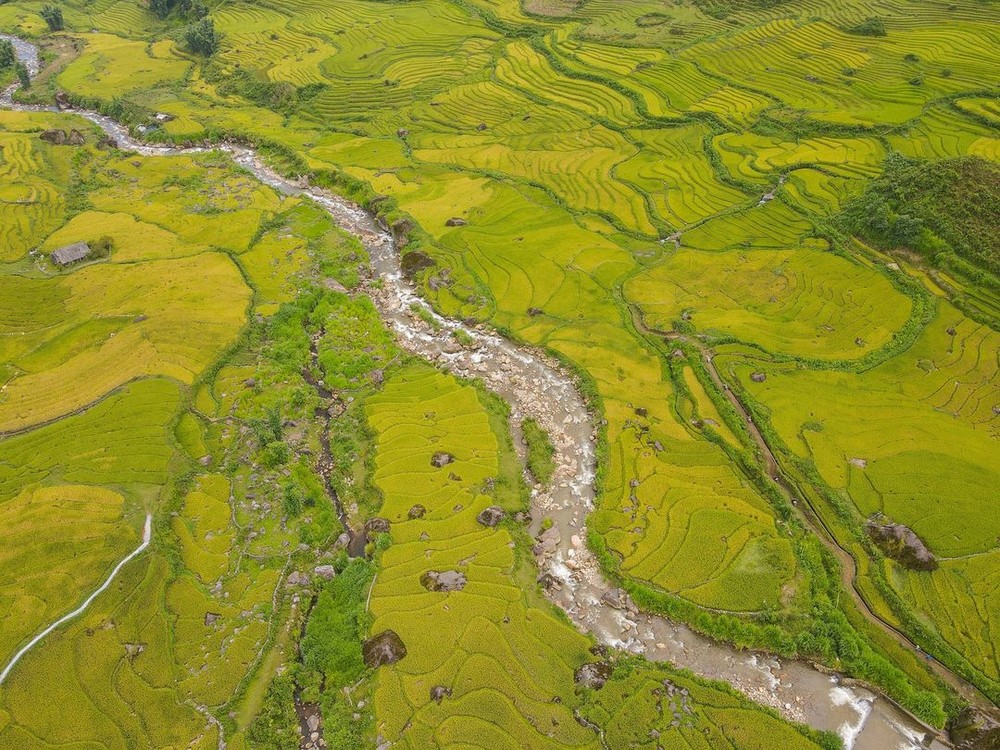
<point>651,194</point>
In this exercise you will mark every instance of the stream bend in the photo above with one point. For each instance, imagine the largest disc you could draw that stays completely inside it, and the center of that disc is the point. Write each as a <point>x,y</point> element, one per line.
<point>536,386</point>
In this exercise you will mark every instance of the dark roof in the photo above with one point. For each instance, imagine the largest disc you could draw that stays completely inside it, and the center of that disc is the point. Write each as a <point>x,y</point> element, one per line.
<point>70,254</point>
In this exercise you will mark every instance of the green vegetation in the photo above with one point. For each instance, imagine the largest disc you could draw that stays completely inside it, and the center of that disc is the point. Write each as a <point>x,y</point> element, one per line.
<point>541,452</point>
<point>639,705</point>
<point>668,200</point>
<point>934,208</point>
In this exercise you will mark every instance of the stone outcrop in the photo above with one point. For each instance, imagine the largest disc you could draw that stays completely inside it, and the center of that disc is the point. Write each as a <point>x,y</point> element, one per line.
<point>492,516</point>
<point>383,649</point>
<point>902,544</point>
<point>593,675</point>
<point>446,581</point>
<point>441,459</point>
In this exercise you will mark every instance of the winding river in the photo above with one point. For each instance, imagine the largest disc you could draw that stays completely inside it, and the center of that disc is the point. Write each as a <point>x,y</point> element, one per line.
<point>538,387</point>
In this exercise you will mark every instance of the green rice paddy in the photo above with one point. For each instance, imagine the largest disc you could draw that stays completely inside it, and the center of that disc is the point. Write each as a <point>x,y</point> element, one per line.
<point>638,187</point>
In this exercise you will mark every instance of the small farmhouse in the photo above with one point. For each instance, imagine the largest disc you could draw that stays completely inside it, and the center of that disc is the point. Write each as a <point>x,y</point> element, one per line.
<point>70,254</point>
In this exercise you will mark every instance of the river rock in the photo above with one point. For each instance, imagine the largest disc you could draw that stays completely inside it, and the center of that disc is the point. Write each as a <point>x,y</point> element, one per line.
<point>492,516</point>
<point>593,675</point>
<point>902,544</point>
<point>446,581</point>
<point>441,459</point>
<point>549,582</point>
<point>439,693</point>
<point>615,598</point>
<point>313,722</point>
<point>326,572</point>
<point>383,649</point>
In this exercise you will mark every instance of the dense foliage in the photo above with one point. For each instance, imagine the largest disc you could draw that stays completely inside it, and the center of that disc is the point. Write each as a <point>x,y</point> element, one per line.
<point>933,207</point>
<point>202,38</point>
<point>53,17</point>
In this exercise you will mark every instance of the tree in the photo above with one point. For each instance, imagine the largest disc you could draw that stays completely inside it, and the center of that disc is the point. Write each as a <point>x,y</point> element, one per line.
<point>161,8</point>
<point>7,56</point>
<point>22,75</point>
<point>53,17</point>
<point>202,38</point>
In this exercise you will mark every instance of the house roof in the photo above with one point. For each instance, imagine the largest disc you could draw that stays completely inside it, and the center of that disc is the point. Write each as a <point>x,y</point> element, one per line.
<point>70,254</point>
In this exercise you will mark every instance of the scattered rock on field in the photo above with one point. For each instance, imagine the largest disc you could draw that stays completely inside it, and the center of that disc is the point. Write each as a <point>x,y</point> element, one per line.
<point>439,693</point>
<point>593,675</point>
<point>758,377</point>
<point>441,459</point>
<point>902,544</point>
<point>385,648</point>
<point>417,511</point>
<point>446,581</point>
<point>491,516</point>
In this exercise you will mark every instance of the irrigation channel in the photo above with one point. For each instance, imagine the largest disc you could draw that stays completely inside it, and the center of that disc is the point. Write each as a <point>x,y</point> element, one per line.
<point>536,386</point>
<point>146,536</point>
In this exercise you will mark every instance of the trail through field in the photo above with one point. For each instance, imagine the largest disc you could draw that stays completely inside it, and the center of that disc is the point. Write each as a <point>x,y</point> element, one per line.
<point>146,534</point>
<point>538,387</point>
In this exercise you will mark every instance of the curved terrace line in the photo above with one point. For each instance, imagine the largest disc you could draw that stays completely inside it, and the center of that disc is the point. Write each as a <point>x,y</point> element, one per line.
<point>537,386</point>
<point>146,535</point>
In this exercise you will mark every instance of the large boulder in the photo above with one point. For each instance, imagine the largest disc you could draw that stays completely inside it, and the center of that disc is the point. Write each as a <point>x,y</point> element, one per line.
<point>414,262</point>
<point>593,675</point>
<point>901,543</point>
<point>492,516</point>
<point>383,649</point>
<point>441,459</point>
<point>55,137</point>
<point>447,581</point>
<point>377,525</point>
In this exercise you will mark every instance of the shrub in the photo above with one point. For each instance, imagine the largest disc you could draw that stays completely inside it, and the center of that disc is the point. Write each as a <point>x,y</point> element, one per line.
<point>201,38</point>
<point>869,27</point>
<point>22,75</point>
<point>53,17</point>
<point>7,56</point>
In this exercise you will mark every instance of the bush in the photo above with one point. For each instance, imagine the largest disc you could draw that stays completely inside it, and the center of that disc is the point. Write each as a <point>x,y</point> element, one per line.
<point>869,27</point>
<point>201,38</point>
<point>928,206</point>
<point>22,75</point>
<point>101,248</point>
<point>7,56</point>
<point>53,17</point>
